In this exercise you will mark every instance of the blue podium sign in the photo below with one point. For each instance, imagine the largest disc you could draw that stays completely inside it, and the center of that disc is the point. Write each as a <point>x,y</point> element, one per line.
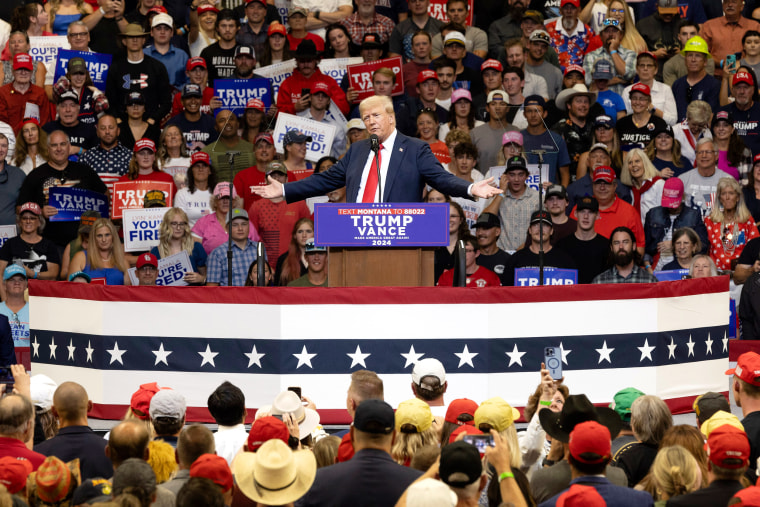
<point>528,277</point>
<point>675,274</point>
<point>386,224</point>
<point>72,202</point>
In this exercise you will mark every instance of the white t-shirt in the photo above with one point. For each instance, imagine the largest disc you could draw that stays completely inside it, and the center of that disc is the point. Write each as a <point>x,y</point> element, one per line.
<point>177,168</point>
<point>322,6</point>
<point>196,205</point>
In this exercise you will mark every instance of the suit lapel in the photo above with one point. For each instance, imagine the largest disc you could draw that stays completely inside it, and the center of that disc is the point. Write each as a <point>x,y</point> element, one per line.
<point>395,164</point>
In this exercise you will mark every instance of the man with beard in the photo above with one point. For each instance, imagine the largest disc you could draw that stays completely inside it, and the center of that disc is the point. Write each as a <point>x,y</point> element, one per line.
<point>625,260</point>
<point>505,28</point>
<point>82,136</point>
<point>576,128</point>
<point>264,150</point>
<point>744,110</point>
<point>227,126</point>
<point>220,56</point>
<point>571,38</point>
<point>400,43</point>
<point>586,247</point>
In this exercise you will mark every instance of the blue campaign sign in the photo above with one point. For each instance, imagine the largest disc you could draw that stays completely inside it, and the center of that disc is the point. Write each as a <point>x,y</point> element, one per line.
<point>671,275</point>
<point>528,277</point>
<point>402,225</point>
<point>97,65</point>
<point>235,93</point>
<point>72,202</point>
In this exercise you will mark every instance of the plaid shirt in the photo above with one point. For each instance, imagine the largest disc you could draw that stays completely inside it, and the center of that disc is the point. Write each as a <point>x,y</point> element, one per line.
<point>381,25</point>
<point>638,275</point>
<point>241,261</point>
<point>515,213</point>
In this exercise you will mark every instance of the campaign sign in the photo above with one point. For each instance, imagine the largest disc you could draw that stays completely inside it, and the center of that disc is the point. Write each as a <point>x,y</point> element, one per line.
<point>130,195</point>
<point>97,65</point>
<point>382,224</point>
<point>360,76</point>
<point>321,134</point>
<point>235,93</point>
<point>528,277</point>
<point>45,49</point>
<point>533,180</point>
<point>171,270</point>
<point>277,73</point>
<point>7,232</point>
<point>141,228</point>
<point>670,275</point>
<point>336,67</point>
<point>437,10</point>
<point>72,202</point>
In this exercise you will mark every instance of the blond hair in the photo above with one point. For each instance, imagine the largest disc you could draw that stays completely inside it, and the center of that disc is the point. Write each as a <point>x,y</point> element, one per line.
<point>650,171</point>
<point>115,257</point>
<point>165,233</point>
<point>675,472</point>
<point>741,213</point>
<point>632,39</point>
<point>374,101</point>
<point>406,444</point>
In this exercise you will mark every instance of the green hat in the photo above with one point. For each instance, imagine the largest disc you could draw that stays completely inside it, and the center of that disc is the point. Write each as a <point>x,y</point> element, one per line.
<point>622,401</point>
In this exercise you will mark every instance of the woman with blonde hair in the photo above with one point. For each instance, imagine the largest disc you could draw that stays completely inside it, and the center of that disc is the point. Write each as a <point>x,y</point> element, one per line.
<point>172,155</point>
<point>62,13</point>
<point>674,472</point>
<point>31,146</point>
<point>414,429</point>
<point>702,266</point>
<point>665,153</point>
<point>632,39</point>
<point>604,133</point>
<point>644,180</point>
<point>175,237</point>
<point>730,225</point>
<point>105,256</point>
<point>696,127</point>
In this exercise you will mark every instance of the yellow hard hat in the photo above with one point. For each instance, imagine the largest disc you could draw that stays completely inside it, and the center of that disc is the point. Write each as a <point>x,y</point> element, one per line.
<point>697,45</point>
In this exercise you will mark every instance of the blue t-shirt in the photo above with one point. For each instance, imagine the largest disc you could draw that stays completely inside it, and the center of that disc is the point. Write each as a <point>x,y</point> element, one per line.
<point>708,90</point>
<point>197,134</point>
<point>556,151</point>
<point>197,258</point>
<point>19,323</point>
<point>612,103</point>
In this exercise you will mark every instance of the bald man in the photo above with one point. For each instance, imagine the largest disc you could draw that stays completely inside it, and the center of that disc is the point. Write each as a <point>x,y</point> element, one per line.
<point>75,439</point>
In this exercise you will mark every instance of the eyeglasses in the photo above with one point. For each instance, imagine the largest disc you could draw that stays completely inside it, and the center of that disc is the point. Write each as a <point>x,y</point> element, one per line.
<point>454,216</point>
<point>79,34</point>
<point>616,11</point>
<point>28,218</point>
<point>178,224</point>
<point>706,152</point>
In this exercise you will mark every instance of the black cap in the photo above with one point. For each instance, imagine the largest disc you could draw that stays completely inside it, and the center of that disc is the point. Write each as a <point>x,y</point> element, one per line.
<point>460,464</point>
<point>541,216</point>
<point>534,100</point>
<point>134,98</point>
<point>557,190</point>
<point>588,203</point>
<point>371,41</point>
<point>707,404</point>
<point>516,163</point>
<point>487,220</point>
<point>374,416</point>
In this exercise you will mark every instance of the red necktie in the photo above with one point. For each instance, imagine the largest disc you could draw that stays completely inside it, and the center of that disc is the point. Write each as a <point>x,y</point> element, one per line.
<point>370,187</point>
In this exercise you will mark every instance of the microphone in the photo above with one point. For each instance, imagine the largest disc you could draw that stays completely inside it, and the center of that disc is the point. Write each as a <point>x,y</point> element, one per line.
<point>375,143</point>
<point>375,146</point>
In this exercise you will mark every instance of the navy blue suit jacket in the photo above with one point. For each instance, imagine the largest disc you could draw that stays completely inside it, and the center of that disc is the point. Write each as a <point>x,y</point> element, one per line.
<point>412,165</point>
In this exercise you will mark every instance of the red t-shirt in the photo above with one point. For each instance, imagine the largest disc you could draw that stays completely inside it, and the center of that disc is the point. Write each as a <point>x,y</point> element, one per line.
<point>619,214</point>
<point>300,174</point>
<point>482,277</point>
<point>318,41</point>
<point>275,222</point>
<point>246,179</point>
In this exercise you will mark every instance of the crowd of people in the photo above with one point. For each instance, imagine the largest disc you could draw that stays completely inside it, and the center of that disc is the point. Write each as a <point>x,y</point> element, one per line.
<point>428,450</point>
<point>641,118</point>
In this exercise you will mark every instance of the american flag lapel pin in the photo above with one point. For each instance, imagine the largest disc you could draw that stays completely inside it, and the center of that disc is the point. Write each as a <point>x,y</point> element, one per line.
<point>401,149</point>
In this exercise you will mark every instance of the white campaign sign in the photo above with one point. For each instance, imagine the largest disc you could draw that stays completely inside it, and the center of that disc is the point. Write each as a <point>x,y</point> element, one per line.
<point>336,67</point>
<point>322,134</point>
<point>532,181</point>
<point>7,232</point>
<point>277,73</point>
<point>141,228</point>
<point>45,50</point>
<point>171,270</point>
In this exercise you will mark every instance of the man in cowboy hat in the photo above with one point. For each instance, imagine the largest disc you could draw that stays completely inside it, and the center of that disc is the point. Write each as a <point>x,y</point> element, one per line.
<point>549,481</point>
<point>575,129</point>
<point>305,76</point>
<point>136,71</point>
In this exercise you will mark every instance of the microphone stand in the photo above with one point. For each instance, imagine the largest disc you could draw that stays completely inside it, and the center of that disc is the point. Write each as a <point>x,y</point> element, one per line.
<point>261,253</point>
<point>540,154</point>
<point>231,161</point>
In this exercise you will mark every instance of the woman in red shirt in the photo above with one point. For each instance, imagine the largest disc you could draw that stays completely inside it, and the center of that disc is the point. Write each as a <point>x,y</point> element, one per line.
<point>144,166</point>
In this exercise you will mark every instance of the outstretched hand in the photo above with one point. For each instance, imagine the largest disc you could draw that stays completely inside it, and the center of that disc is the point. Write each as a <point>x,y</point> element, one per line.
<point>484,189</point>
<point>271,191</point>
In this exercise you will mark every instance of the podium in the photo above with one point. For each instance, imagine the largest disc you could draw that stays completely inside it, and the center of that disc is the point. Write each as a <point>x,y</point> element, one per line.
<point>381,267</point>
<point>381,245</point>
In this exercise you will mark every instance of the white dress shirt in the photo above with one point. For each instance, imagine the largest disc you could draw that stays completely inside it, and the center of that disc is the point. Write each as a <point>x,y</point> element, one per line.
<point>385,159</point>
